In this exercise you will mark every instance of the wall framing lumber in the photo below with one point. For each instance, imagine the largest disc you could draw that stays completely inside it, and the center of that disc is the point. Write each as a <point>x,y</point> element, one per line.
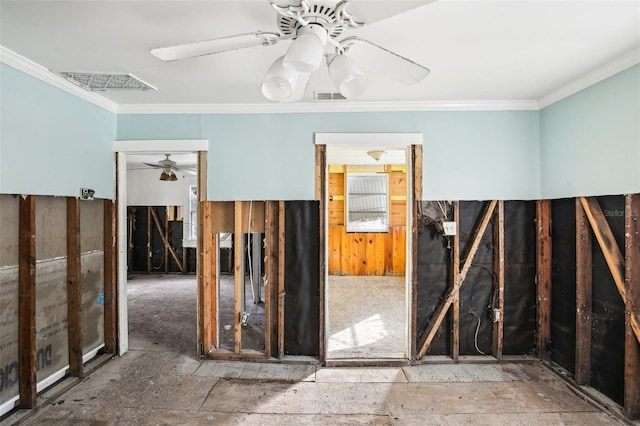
<point>583,296</point>
<point>498,285</point>
<point>74,293</point>
<point>27,302</point>
<point>543,277</point>
<point>208,280</point>
<point>613,256</point>
<point>149,242</point>
<point>204,240</point>
<point>165,241</point>
<point>455,276</point>
<point>281,267</point>
<point>453,292</point>
<point>110,274</point>
<point>271,279</point>
<point>632,305</point>
<point>417,171</point>
<point>238,275</point>
<point>321,191</point>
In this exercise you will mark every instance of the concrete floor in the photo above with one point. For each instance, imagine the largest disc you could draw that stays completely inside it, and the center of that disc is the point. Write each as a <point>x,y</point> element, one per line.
<point>367,317</point>
<point>161,381</point>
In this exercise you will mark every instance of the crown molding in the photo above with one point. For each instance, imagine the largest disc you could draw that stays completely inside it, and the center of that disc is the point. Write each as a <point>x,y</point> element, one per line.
<point>38,71</point>
<point>617,65</point>
<point>330,106</point>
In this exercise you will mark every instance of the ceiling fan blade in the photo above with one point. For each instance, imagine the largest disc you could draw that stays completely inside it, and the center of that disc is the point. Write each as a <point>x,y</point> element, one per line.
<point>378,59</point>
<point>217,45</point>
<point>368,12</point>
<point>156,166</point>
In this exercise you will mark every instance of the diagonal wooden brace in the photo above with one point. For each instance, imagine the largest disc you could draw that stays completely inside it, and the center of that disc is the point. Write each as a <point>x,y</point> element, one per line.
<point>612,255</point>
<point>164,239</point>
<point>452,293</point>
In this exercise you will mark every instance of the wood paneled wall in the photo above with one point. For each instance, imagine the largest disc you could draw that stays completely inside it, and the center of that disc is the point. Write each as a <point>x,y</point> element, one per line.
<point>374,253</point>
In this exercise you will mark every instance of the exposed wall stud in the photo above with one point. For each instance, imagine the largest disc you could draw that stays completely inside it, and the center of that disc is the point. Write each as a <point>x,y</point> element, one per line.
<point>543,277</point>
<point>455,276</point>
<point>27,302</point>
<point>498,285</point>
<point>281,293</point>
<point>110,274</point>
<point>238,273</point>
<point>583,296</point>
<point>74,293</point>
<point>632,305</point>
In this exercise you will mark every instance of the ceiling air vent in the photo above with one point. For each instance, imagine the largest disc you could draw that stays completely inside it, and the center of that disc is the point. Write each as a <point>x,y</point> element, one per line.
<point>104,82</point>
<point>329,96</point>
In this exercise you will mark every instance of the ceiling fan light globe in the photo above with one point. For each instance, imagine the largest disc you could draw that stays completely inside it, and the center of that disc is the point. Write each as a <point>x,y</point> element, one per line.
<point>347,76</point>
<point>307,51</point>
<point>279,82</point>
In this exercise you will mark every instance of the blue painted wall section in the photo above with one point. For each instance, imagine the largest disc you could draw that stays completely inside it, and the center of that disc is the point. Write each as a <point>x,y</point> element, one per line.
<point>52,142</point>
<point>590,141</point>
<point>467,155</point>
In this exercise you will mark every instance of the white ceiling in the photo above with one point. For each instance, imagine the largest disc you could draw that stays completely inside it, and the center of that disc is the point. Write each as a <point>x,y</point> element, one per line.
<point>476,50</point>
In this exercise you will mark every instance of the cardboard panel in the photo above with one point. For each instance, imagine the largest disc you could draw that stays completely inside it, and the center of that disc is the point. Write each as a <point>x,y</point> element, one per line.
<point>91,225</point>
<point>51,227</point>
<point>8,230</point>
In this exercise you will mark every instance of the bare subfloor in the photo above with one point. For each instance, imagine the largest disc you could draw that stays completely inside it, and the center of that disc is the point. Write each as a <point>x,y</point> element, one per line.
<point>160,381</point>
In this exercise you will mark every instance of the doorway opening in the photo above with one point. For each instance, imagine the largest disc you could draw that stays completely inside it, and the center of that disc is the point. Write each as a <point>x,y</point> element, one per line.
<point>367,209</point>
<point>160,186</point>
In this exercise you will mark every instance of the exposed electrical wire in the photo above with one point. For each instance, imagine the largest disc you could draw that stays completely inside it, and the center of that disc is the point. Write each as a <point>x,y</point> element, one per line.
<point>475,338</point>
<point>253,293</point>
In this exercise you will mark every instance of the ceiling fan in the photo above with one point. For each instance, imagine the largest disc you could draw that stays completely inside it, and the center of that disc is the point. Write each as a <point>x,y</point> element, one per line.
<point>169,167</point>
<point>316,27</point>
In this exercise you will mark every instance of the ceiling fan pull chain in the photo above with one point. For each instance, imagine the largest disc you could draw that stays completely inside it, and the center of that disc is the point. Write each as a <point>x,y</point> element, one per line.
<point>344,17</point>
<point>294,12</point>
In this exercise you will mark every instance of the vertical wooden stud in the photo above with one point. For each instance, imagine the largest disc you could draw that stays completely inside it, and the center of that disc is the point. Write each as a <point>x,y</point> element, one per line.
<point>281,293</point>
<point>110,273</point>
<point>74,293</point>
<point>27,302</point>
<point>543,277</point>
<point>209,262</point>
<point>455,276</point>
<point>238,263</point>
<point>498,286</point>
<point>321,187</point>
<point>166,246</point>
<point>204,240</point>
<point>632,304</point>
<point>583,296</point>
<point>149,241</point>
<point>271,278</point>
<point>417,171</point>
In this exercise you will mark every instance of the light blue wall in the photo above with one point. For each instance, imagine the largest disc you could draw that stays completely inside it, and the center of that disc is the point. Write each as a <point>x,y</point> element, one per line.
<point>590,142</point>
<point>467,155</point>
<point>52,142</point>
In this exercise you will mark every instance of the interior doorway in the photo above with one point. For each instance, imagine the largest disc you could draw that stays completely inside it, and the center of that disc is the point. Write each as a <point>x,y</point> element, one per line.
<point>367,209</point>
<point>168,190</point>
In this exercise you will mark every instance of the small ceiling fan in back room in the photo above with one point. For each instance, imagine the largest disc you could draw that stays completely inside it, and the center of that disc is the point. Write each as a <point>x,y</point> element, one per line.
<point>316,29</point>
<point>169,167</point>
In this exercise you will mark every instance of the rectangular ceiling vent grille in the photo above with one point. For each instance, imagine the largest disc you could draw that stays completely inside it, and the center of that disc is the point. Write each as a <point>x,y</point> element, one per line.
<point>329,96</point>
<point>106,82</point>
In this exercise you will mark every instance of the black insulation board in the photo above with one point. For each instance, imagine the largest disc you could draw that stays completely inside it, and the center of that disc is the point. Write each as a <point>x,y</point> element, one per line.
<point>563,283</point>
<point>607,330</point>
<point>139,240</point>
<point>476,293</point>
<point>607,327</point>
<point>302,278</point>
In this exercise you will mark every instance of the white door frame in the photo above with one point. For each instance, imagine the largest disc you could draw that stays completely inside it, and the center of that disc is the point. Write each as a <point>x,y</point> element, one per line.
<point>122,148</point>
<point>379,141</point>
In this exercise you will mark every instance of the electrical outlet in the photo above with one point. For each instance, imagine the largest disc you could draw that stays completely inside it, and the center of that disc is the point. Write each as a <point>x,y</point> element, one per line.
<point>244,319</point>
<point>449,228</point>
